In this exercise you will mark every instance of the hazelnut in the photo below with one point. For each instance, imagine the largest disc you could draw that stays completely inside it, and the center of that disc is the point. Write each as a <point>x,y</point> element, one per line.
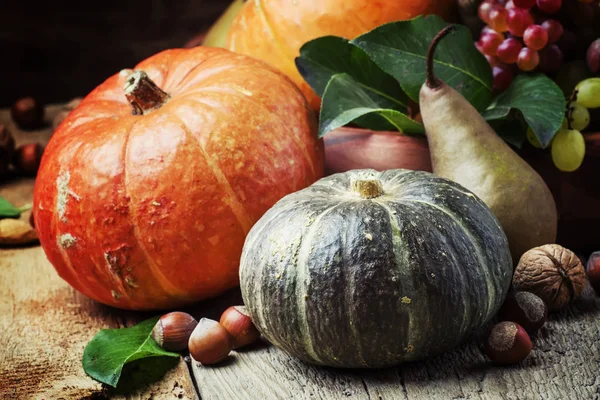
<point>508,343</point>
<point>173,330</point>
<point>27,158</point>
<point>65,111</point>
<point>27,113</point>
<point>593,271</point>
<point>239,325</point>
<point>553,273</point>
<point>526,309</point>
<point>7,149</point>
<point>210,342</point>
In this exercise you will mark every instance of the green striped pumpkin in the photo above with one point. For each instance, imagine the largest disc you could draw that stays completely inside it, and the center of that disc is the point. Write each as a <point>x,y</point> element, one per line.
<point>371,269</point>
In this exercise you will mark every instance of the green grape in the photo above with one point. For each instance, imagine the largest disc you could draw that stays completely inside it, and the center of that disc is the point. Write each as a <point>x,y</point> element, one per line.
<point>588,94</point>
<point>568,150</point>
<point>580,117</point>
<point>533,140</point>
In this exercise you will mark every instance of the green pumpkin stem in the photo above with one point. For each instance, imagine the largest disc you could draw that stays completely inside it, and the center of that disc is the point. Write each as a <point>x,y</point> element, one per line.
<point>143,94</point>
<point>368,188</point>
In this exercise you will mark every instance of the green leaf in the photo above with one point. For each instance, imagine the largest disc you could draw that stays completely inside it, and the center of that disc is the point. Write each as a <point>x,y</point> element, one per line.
<point>400,49</point>
<point>538,99</point>
<point>141,372</point>
<point>7,210</point>
<point>345,101</point>
<point>322,58</point>
<point>107,353</point>
<point>512,129</point>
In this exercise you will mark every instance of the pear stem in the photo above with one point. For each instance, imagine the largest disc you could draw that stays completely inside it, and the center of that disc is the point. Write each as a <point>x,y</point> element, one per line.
<point>432,81</point>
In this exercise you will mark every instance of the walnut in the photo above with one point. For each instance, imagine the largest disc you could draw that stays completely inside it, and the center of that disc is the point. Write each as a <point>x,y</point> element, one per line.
<point>552,272</point>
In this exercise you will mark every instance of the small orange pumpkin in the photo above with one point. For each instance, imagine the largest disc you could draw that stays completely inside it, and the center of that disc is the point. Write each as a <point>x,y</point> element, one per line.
<point>274,30</point>
<point>148,188</point>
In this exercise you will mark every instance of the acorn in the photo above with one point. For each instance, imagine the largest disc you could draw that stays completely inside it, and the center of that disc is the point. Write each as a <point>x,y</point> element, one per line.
<point>173,330</point>
<point>526,309</point>
<point>239,325</point>
<point>508,343</point>
<point>210,342</point>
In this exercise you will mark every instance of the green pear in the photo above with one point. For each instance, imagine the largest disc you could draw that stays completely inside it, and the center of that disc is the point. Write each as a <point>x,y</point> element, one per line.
<point>465,149</point>
<point>217,34</point>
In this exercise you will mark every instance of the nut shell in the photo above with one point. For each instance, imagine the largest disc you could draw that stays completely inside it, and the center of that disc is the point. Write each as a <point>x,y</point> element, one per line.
<point>172,331</point>
<point>210,342</point>
<point>16,232</point>
<point>27,158</point>
<point>238,323</point>
<point>27,113</point>
<point>508,343</point>
<point>593,271</point>
<point>553,273</point>
<point>526,309</point>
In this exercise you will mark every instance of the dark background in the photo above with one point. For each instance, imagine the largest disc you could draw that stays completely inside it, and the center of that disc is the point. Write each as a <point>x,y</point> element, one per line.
<point>57,50</point>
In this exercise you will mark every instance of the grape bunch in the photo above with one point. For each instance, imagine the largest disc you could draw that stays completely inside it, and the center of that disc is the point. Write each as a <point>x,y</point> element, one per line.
<point>568,145</point>
<point>538,35</point>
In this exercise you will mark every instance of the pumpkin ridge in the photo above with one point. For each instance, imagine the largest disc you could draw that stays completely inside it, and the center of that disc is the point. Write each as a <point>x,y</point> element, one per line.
<point>266,68</point>
<point>348,298</point>
<point>480,258</point>
<point>237,207</point>
<point>187,82</point>
<point>256,274</point>
<point>72,272</point>
<point>301,268</point>
<point>411,339</point>
<point>459,272</point>
<point>154,270</point>
<point>275,35</point>
<point>258,230</point>
<point>55,226</point>
<point>277,118</point>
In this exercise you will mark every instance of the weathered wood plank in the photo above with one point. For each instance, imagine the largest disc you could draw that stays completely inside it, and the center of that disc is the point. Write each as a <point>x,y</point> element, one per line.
<point>565,364</point>
<point>45,325</point>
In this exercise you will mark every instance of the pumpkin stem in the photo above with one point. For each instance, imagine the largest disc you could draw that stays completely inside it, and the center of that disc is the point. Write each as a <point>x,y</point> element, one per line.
<point>368,188</point>
<point>143,94</point>
<point>432,81</point>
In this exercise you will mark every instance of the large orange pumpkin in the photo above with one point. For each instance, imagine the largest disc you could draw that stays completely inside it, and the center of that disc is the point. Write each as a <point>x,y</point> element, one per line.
<point>145,194</point>
<point>274,30</point>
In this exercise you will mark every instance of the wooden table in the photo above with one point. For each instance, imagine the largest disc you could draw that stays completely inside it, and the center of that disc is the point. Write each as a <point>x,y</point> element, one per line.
<point>45,325</point>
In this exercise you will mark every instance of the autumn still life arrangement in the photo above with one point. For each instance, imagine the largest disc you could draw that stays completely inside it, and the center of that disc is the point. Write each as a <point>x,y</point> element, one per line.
<point>203,168</point>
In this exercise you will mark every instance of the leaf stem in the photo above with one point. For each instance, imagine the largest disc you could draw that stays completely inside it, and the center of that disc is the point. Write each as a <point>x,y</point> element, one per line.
<point>432,81</point>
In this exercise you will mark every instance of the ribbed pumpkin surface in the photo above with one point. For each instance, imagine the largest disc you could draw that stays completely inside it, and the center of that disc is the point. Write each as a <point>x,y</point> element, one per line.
<point>340,280</point>
<point>274,30</point>
<point>151,211</point>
